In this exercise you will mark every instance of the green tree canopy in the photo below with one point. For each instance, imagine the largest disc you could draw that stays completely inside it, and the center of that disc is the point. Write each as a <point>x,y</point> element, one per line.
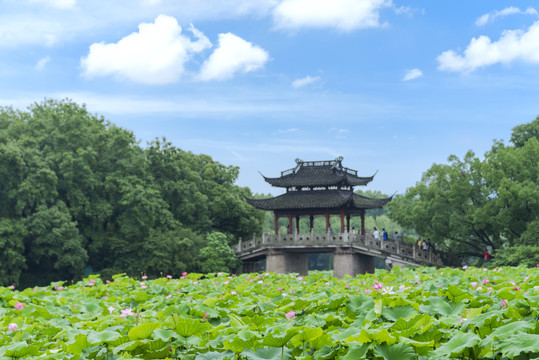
<point>77,191</point>
<point>471,204</point>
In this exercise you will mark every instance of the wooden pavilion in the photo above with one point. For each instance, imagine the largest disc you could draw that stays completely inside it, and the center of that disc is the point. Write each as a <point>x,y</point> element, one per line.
<point>319,188</point>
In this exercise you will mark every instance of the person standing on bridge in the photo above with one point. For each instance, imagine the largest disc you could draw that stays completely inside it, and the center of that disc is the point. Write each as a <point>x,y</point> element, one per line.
<point>384,235</point>
<point>376,234</point>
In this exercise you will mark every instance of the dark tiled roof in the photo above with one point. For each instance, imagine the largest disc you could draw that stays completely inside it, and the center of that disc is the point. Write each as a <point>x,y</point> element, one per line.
<point>318,175</point>
<point>325,199</point>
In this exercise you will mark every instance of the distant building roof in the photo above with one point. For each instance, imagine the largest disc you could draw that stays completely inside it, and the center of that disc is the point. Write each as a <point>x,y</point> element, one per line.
<point>318,173</point>
<point>321,199</point>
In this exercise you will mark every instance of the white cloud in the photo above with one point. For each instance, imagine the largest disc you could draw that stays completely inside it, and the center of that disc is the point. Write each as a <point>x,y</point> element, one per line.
<point>156,54</point>
<point>412,74</point>
<point>60,4</point>
<point>491,16</point>
<point>513,45</point>
<point>345,15</point>
<point>233,55</point>
<point>305,81</point>
<point>42,63</point>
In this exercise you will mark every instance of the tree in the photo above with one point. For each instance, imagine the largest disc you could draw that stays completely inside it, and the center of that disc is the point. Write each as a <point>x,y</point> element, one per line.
<point>470,204</point>
<point>78,192</point>
<point>217,255</point>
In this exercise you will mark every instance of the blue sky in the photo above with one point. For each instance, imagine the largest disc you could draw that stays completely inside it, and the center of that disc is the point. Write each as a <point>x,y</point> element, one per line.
<point>393,86</point>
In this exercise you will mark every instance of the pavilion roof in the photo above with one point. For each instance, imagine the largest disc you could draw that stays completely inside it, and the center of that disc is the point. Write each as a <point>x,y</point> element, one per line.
<point>318,173</point>
<point>326,199</point>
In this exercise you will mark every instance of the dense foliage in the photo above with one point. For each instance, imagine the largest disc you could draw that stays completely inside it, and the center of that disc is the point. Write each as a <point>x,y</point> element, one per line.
<point>78,192</point>
<point>403,314</point>
<point>470,204</point>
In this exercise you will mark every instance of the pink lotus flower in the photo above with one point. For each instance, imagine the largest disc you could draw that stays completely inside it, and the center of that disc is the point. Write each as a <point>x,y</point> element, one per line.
<point>504,303</point>
<point>517,288</point>
<point>290,315</point>
<point>347,286</point>
<point>111,309</point>
<point>226,282</point>
<point>368,291</point>
<point>184,273</point>
<point>144,277</point>
<point>292,291</point>
<point>464,267</point>
<point>182,277</point>
<point>58,288</point>
<point>12,287</point>
<point>107,281</point>
<point>127,312</point>
<point>299,278</point>
<point>377,285</point>
<point>474,284</point>
<point>280,289</point>
<point>486,281</point>
<point>219,273</point>
<point>12,327</point>
<point>169,276</point>
<point>19,306</point>
<point>233,292</point>
<point>461,320</point>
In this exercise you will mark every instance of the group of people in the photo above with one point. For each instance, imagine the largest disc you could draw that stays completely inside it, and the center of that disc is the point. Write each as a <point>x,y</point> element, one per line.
<point>385,235</point>
<point>424,245</point>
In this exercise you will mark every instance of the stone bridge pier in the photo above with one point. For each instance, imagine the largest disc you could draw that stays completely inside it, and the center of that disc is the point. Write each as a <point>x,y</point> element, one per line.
<point>287,262</point>
<point>345,262</point>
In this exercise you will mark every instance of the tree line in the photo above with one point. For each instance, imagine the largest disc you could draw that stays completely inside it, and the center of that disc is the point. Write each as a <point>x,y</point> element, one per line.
<point>474,204</point>
<point>79,193</point>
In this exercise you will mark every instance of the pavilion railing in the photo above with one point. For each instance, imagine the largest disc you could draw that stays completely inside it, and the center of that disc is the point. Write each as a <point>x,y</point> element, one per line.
<point>336,239</point>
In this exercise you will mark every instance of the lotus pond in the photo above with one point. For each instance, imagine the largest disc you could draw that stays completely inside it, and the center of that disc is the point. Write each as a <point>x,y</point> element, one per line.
<point>423,313</point>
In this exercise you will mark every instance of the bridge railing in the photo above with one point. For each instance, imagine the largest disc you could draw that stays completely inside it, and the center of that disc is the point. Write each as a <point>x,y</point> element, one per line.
<point>335,239</point>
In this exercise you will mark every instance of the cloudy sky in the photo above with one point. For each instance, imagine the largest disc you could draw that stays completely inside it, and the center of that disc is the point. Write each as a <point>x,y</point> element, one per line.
<point>390,85</point>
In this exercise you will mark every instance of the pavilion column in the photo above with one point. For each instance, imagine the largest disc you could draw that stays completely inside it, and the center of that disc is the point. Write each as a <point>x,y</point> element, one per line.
<point>297,224</point>
<point>348,223</point>
<point>362,222</point>
<point>342,221</point>
<point>311,220</point>
<point>290,225</point>
<point>327,222</point>
<point>276,223</point>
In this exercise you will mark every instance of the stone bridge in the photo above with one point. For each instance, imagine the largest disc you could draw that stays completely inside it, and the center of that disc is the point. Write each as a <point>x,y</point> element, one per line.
<point>352,253</point>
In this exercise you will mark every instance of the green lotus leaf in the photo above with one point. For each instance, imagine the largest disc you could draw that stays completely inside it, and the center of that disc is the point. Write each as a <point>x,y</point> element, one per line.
<point>359,304</point>
<point>398,312</point>
<point>327,353</point>
<point>244,339</point>
<point>22,350</point>
<point>306,334</point>
<point>189,327</point>
<point>395,351</point>
<point>447,308</point>
<point>458,344</point>
<point>279,337</point>
<point>163,334</point>
<point>506,331</point>
<point>518,344</point>
<point>215,355</point>
<point>143,331</point>
<point>78,345</point>
<point>267,354</point>
<point>105,336</point>
<point>355,351</point>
